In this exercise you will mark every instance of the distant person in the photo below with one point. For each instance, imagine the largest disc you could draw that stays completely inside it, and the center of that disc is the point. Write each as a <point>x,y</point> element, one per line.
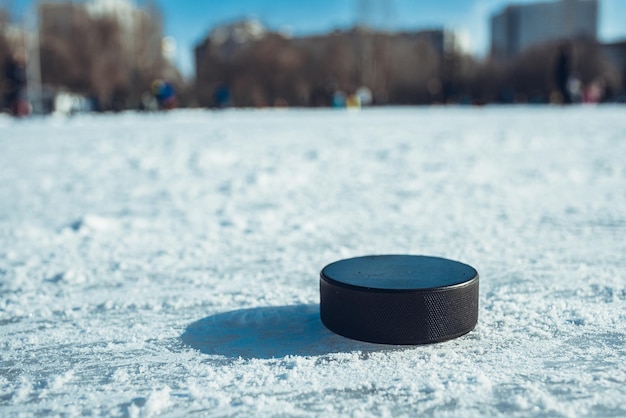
<point>15,82</point>
<point>353,102</point>
<point>339,100</point>
<point>574,87</point>
<point>563,72</point>
<point>594,93</point>
<point>222,97</point>
<point>164,94</point>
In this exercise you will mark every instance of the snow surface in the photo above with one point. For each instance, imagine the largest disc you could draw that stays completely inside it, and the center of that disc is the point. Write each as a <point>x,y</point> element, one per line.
<point>168,264</point>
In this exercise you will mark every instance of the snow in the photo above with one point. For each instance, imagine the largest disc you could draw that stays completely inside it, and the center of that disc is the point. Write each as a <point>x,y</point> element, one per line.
<point>168,264</point>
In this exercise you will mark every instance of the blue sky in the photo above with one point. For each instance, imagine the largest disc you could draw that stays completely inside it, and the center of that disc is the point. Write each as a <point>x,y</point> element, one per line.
<point>188,21</point>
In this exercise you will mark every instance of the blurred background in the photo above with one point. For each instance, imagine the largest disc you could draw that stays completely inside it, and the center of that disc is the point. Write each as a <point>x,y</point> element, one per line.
<point>113,55</point>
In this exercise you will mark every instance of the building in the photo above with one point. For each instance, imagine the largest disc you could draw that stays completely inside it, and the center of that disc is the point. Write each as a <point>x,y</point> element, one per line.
<point>615,53</point>
<point>519,27</point>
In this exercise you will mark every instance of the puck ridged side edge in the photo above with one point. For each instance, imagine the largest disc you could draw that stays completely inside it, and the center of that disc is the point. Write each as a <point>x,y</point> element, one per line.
<point>412,317</point>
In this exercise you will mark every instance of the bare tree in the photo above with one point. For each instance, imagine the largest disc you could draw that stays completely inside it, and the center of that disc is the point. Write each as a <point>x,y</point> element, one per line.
<point>98,56</point>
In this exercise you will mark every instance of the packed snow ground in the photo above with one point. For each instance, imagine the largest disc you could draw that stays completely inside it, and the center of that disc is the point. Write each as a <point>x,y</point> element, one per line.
<point>168,264</point>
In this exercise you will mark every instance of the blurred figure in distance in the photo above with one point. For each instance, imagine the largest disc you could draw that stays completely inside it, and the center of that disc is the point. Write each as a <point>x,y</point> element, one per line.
<point>222,97</point>
<point>15,86</point>
<point>164,94</point>
<point>563,71</point>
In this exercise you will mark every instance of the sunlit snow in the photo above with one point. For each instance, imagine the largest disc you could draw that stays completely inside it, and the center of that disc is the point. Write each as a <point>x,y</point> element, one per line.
<point>168,263</point>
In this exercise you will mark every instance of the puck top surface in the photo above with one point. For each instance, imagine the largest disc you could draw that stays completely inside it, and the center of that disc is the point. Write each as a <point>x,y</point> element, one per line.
<point>399,272</point>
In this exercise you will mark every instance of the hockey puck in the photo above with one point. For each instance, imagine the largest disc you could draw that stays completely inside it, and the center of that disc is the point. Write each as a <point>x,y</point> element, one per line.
<point>399,299</point>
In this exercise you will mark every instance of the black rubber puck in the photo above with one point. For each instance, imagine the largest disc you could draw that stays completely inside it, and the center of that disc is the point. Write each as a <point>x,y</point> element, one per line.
<point>399,299</point>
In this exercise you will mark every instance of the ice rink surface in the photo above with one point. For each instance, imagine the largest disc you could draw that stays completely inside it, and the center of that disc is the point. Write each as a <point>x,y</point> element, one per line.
<point>167,264</point>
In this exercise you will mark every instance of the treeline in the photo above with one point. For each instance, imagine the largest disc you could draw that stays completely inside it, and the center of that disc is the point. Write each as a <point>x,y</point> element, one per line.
<point>532,76</point>
<point>307,71</point>
<point>110,57</point>
<point>114,61</point>
<point>402,68</point>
